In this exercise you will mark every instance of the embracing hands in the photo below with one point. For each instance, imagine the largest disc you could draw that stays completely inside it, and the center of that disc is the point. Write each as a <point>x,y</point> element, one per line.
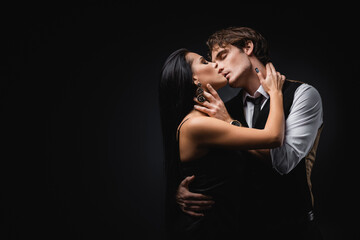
<point>195,204</point>
<point>191,203</point>
<point>272,81</point>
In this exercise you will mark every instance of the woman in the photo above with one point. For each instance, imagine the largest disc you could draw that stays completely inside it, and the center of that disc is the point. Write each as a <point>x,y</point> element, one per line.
<point>196,144</point>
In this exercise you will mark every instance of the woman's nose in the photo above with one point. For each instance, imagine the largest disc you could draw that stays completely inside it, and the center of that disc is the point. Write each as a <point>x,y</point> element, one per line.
<point>220,68</point>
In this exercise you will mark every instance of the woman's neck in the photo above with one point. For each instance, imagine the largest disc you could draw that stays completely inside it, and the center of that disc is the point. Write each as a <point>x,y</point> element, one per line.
<point>195,113</point>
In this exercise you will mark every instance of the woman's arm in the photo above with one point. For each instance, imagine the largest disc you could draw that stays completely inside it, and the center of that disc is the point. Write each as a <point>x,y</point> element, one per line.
<point>211,132</point>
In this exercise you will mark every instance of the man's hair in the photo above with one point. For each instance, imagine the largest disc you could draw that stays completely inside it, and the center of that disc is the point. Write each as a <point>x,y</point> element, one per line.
<point>238,37</point>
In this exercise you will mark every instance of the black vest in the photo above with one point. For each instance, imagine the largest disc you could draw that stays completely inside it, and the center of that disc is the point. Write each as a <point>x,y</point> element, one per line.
<point>273,197</point>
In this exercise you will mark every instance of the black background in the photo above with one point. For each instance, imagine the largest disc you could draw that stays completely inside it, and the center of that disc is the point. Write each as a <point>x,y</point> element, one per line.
<point>81,142</point>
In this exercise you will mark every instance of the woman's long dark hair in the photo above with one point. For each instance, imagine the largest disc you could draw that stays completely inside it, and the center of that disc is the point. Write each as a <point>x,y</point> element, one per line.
<point>176,93</point>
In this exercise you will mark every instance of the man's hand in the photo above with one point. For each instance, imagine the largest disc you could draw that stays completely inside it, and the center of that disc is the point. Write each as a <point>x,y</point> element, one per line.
<point>214,106</point>
<point>263,155</point>
<point>192,203</point>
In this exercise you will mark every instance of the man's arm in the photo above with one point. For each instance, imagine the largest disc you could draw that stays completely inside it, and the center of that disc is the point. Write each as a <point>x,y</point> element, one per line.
<point>263,155</point>
<point>301,127</point>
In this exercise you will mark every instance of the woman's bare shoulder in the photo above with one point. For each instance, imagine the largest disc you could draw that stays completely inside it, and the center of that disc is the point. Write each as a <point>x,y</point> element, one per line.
<point>202,125</point>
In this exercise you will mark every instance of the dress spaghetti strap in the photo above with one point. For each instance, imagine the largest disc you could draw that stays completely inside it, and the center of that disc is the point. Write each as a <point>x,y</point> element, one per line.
<point>178,130</point>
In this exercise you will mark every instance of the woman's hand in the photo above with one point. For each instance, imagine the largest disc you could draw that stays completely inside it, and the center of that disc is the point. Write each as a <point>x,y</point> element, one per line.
<point>273,81</point>
<point>214,106</point>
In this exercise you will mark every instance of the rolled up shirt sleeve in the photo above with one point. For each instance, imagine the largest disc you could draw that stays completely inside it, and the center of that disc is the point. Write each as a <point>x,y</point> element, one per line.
<point>301,127</point>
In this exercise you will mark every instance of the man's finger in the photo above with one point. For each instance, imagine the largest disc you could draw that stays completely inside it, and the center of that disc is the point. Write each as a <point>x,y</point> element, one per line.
<point>205,103</point>
<point>209,96</point>
<point>197,208</point>
<point>213,91</point>
<point>187,181</point>
<point>197,196</point>
<point>192,213</point>
<point>197,203</point>
<point>202,109</point>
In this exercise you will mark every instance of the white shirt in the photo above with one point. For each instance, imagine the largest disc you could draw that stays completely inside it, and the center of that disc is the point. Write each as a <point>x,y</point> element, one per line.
<point>301,126</point>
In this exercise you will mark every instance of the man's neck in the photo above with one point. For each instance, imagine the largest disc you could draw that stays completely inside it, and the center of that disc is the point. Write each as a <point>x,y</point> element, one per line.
<point>253,82</point>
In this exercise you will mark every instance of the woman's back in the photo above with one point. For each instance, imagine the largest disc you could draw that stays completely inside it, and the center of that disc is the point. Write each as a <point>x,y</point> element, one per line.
<point>218,173</point>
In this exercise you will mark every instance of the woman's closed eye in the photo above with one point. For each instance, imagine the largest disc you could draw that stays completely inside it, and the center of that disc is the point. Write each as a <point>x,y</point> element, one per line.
<point>203,61</point>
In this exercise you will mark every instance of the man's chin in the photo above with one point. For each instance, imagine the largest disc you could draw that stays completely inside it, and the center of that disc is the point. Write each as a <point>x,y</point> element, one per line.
<point>232,84</point>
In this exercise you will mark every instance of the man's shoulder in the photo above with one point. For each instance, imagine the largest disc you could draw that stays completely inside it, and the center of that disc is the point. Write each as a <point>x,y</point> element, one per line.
<point>291,85</point>
<point>298,88</point>
<point>307,98</point>
<point>300,84</point>
<point>294,81</point>
<point>308,90</point>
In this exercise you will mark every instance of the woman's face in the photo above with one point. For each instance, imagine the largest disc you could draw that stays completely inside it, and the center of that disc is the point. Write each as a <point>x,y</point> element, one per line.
<point>205,72</point>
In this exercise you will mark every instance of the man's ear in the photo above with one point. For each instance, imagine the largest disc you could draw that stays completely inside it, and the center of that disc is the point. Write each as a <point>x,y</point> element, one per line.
<point>249,47</point>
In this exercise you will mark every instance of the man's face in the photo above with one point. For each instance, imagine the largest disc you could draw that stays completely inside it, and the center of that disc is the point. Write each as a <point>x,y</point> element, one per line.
<point>233,63</point>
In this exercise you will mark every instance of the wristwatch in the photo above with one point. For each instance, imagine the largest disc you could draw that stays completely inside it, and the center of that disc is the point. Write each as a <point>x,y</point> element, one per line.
<point>236,123</point>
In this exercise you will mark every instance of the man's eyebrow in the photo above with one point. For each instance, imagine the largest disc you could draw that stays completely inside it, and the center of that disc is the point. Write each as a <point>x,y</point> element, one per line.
<point>219,53</point>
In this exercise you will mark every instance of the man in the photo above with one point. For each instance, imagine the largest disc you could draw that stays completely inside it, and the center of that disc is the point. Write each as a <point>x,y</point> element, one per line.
<point>280,201</point>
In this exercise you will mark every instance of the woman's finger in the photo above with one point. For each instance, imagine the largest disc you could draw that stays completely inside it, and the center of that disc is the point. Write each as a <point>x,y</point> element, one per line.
<point>268,69</point>
<point>272,68</point>
<point>260,75</point>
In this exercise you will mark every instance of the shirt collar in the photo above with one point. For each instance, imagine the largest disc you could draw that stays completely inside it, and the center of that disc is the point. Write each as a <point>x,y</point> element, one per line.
<point>258,92</point>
